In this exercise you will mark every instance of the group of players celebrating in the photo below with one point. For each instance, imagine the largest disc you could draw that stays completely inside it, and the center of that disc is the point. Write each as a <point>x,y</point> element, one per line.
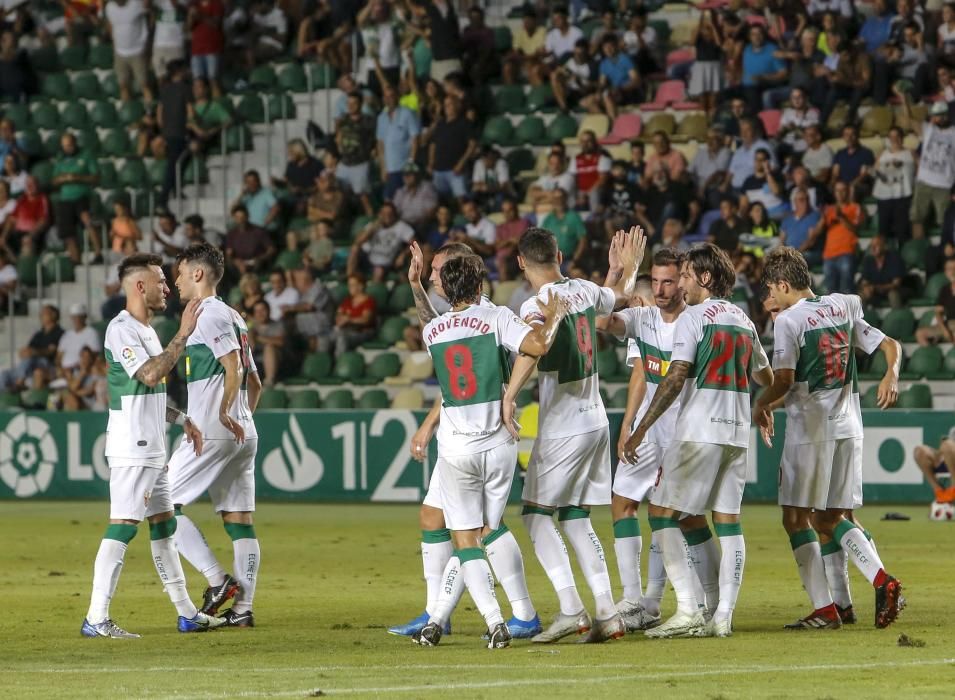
<point>684,445</point>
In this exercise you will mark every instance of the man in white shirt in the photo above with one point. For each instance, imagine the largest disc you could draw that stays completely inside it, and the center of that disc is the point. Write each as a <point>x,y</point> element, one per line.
<point>817,158</point>
<point>8,279</point>
<point>383,244</point>
<point>795,118</point>
<point>75,339</point>
<point>268,29</point>
<point>281,296</point>
<point>171,238</point>
<point>128,22</point>
<point>556,178</point>
<point>479,232</point>
<point>560,40</point>
<point>168,37</point>
<point>936,172</point>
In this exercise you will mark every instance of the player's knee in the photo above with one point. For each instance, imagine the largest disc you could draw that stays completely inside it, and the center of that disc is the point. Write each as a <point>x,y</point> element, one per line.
<point>430,518</point>
<point>825,521</point>
<point>924,455</point>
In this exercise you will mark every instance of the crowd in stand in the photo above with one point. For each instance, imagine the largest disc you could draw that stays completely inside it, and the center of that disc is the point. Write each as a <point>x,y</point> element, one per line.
<point>784,85</point>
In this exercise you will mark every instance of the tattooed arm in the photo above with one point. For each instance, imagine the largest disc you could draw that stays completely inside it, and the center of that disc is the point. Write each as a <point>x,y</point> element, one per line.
<point>422,303</point>
<point>664,397</point>
<point>155,369</point>
<point>190,430</point>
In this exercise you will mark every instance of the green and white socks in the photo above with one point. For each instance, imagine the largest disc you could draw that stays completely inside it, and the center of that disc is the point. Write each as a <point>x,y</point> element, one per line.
<point>169,566</point>
<point>107,568</point>
<point>677,564</point>
<point>590,557</point>
<point>247,557</point>
<point>704,555</point>
<point>436,550</point>
<point>656,575</point>
<point>480,584</point>
<point>732,562</point>
<point>193,546</point>
<point>836,564</point>
<point>812,568</point>
<point>552,555</point>
<point>628,546</point>
<point>504,556</point>
<point>860,551</point>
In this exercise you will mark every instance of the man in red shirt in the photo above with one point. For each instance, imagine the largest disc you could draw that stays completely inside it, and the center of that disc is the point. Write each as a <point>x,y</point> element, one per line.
<point>25,228</point>
<point>207,40</point>
<point>591,168</point>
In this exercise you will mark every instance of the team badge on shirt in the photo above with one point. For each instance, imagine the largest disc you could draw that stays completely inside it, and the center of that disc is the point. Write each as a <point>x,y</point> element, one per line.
<point>128,355</point>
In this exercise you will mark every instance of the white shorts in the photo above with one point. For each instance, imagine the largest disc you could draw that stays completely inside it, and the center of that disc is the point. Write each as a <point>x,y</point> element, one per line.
<point>433,497</point>
<point>699,476</point>
<point>136,493</point>
<point>569,471</point>
<point>635,481</point>
<point>225,469</point>
<point>822,475</point>
<point>474,488</point>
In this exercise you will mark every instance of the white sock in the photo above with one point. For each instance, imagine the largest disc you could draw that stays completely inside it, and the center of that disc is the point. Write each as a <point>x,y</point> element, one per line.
<point>591,559</point>
<point>656,576</point>
<point>192,544</point>
<point>436,551</point>
<point>673,551</point>
<point>169,568</point>
<point>552,554</point>
<point>480,583</point>
<point>731,566</point>
<point>695,567</point>
<point>628,546</point>
<point>247,558</point>
<point>706,559</point>
<point>837,576</point>
<point>812,569</point>
<point>859,551</point>
<point>504,556</point>
<point>450,590</point>
<point>106,571</point>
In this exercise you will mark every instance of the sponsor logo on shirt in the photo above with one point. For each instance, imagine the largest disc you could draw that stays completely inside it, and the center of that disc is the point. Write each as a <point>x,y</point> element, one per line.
<point>655,365</point>
<point>128,355</point>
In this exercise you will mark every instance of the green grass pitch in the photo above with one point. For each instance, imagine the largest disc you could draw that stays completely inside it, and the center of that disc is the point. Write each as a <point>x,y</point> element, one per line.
<point>334,576</point>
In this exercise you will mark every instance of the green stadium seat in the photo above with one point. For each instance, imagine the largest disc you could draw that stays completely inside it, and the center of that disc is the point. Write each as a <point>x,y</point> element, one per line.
<point>251,109</point>
<point>281,106</point>
<point>359,224</point>
<point>87,86</point>
<point>520,159</point>
<point>379,292</point>
<point>133,173</point>
<point>871,316</point>
<point>31,142</point>
<point>116,143</point>
<point>45,116</point>
<point>304,399</point>
<point>110,86</point>
<point>317,366</point>
<point>402,298</point>
<point>263,77</point>
<point>349,366</point>
<point>26,270</point>
<point>55,86</point>
<point>498,131</point>
<point>607,362</point>
<point>131,112</point>
<point>663,30</point>
<point>870,399</point>
<point>387,364</point>
<point>103,115</point>
<point>927,318</point>
<point>87,140</point>
<point>374,400</point>
<point>101,56</point>
<point>61,263</point>
<point>165,327</point>
<point>195,172</point>
<point>323,76</point>
<point>502,39</point>
<point>877,366</point>
<point>43,172</point>
<point>35,398</point>
<point>933,285</point>
<point>949,362</point>
<point>9,400</point>
<point>292,78</point>
<point>916,396</point>
<point>899,324</point>
<point>619,398</point>
<point>238,137</point>
<point>913,252</point>
<point>289,259</point>
<point>509,98</point>
<point>156,170</point>
<point>46,60</point>
<point>563,126</point>
<point>18,113</point>
<point>531,131</point>
<point>273,399</point>
<point>541,99</point>
<point>339,399</point>
<point>73,57</point>
<point>391,331</point>
<point>925,362</point>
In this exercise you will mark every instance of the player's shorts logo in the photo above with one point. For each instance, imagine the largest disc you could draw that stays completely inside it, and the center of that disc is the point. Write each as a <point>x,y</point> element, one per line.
<point>293,466</point>
<point>27,455</point>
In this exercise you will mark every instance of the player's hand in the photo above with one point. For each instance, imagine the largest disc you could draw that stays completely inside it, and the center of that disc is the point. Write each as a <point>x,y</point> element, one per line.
<point>193,435</point>
<point>556,306</point>
<point>419,443</point>
<point>508,411</point>
<point>888,392</point>
<point>233,427</point>
<point>631,247</point>
<point>416,267</point>
<point>621,444</point>
<point>630,447</point>
<point>616,267</point>
<point>190,316</point>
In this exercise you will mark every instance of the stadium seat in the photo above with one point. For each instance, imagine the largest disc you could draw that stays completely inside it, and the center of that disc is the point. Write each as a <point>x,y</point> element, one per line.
<point>871,316</point>
<point>132,173</point>
<point>87,86</point>
<point>18,112</point>
<point>663,30</point>
<point>73,58</point>
<point>35,399</point>
<point>374,400</point>
<point>837,120</point>
<point>391,331</point>
<point>289,259</point>
<point>238,137</point>
<point>899,324</point>
<point>541,99</point>
<point>502,39</point>
<point>165,328</point>
<point>45,116</point>
<point>55,86</point>
<point>116,143</point>
<point>27,270</point>
<point>877,121</point>
<point>9,400</point>
<point>43,172</point>
<point>410,399</point>
<point>323,76</point>
<point>58,263</point>
<point>933,286</point>
<point>607,362</point>
<point>110,85</point>
<point>770,119</point>
<point>877,367</point>
<point>597,123</point>
<point>916,396</point>
<point>292,78</point>
<point>339,399</point>
<point>281,106</point>
<point>102,114</point>
<point>669,93</point>
<point>401,299</point>
<point>950,360</point>
<point>416,367</point>
<point>46,60</point>
<point>927,318</point>
<point>273,399</point>
<point>387,364</point>
<point>660,122</point>
<point>563,126</point>
<point>913,252</point>
<point>317,366</point>
<point>304,399</point>
<point>100,56</point>
<point>692,127</point>
<point>263,76</point>
<point>870,398</point>
<point>349,366</point>
<point>626,127</point>
<point>929,363</point>
<point>509,99</point>
<point>532,131</point>
<point>619,398</point>
<point>498,131</point>
<point>250,109</point>
<point>195,172</point>
<point>30,142</point>
<point>131,112</point>
<point>379,292</point>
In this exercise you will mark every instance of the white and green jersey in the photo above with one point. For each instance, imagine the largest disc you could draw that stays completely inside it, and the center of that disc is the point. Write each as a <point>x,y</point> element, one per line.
<point>815,338</point>
<point>136,432</point>
<point>723,349</point>
<point>650,342</point>
<point>570,402</point>
<point>219,331</point>
<point>470,351</point>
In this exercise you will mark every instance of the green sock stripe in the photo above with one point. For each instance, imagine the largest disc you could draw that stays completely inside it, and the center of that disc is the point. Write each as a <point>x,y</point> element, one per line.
<point>663,523</point>
<point>177,510</point>
<point>728,529</point>
<point>162,530</point>
<point>842,528</point>
<point>698,536</point>
<point>436,536</point>
<point>572,513</point>
<point>469,554</point>
<point>238,531</point>
<point>494,534</point>
<point>537,510</point>
<point>121,533</point>
<point>798,539</point>
<point>868,535</point>
<point>626,527</point>
<point>830,547</point>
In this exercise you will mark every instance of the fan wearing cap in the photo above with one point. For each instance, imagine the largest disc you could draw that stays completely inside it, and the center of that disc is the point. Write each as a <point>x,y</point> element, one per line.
<point>936,173</point>
<point>75,339</point>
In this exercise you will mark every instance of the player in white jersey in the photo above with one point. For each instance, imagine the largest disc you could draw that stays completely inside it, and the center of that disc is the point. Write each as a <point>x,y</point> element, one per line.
<point>476,452</point>
<point>444,585</point>
<point>649,332</point>
<point>136,447</point>
<point>569,467</point>
<point>715,349</point>
<point>223,387</point>
<point>820,478</point>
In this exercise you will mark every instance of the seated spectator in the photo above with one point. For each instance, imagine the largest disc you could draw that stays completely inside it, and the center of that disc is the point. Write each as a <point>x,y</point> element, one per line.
<point>301,173</point>
<point>880,278</point>
<point>207,40</point>
<point>608,25</point>
<point>74,340</point>
<point>725,232</point>
<point>618,200</point>
<point>442,231</point>
<point>17,78</point>
<point>672,236</point>
<point>841,222</point>
<point>765,187</point>
<point>590,168</point>
<point>543,191</point>
<point>416,200</point>
<point>505,239</point>
<point>248,248</point>
<point>280,297</point>
<point>818,156</point>
<point>575,81</point>
<point>636,166</point>
<point>761,67</point>
<point>731,123</point>
<point>74,175</point>
<point>943,328</point>
<point>312,318</point>
<point>453,144</point>
<point>355,141</point>
<point>877,27</point>
<point>945,39</point>
<point>664,199</point>
<point>260,203</point>
<point>796,117</point>
<point>170,238</point>
<point>568,228</point>
<point>801,228</point>
<point>617,79</point>
<point>8,280</point>
<point>320,250</point>
<point>853,164</point>
<point>563,36</point>
<point>87,386</point>
<point>743,162</point>
<point>528,49</point>
<point>849,80</point>
<point>268,31</point>
<point>124,232</point>
<point>251,294</point>
<point>268,341</point>
<point>207,119</point>
<point>328,202</point>
<point>894,174</point>
<point>14,174</point>
<point>906,60</point>
<point>397,131</point>
<point>8,141</point>
<point>806,71</point>
<point>490,179</point>
<point>128,24</point>
<point>479,233</point>
<point>640,43</point>
<point>763,231</point>
<point>709,167</point>
<point>38,356</point>
<point>666,157</point>
<point>356,319</point>
<point>706,74</point>
<point>383,245</point>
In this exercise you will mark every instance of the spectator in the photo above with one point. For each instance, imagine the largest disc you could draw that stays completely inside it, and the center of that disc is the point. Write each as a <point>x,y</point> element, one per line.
<point>761,68</point>
<point>36,359</point>
<point>853,163</point>
<point>74,175</point>
<point>441,232</point>
<point>936,171</point>
<point>268,341</point>
<point>665,199</point>
<point>80,391</point>
<point>569,229</point>
<point>382,246</point>
<point>320,250</point>
<point>817,158</point>
<point>247,247</point>
<point>479,233</point>
<point>575,81</point>
<point>841,222</point>
<point>881,276</point>
<point>259,202</point>
<point>445,38</point>
<point>301,175</point>
<point>207,41</point>
<point>672,236</point>
<point>743,162</point>
<point>786,20</point>
<point>173,117</point>
<point>348,85</point>
<point>72,342</point>
<point>560,41</point>
<point>8,280</point>
<point>123,230</point>
<point>619,199</point>
<point>894,175</point>
<point>945,40</point>
<point>731,123</point>
<point>842,9</point>
<point>128,24</point>
<point>416,200</point>
<point>709,168</point>
<point>801,229</point>
<point>280,296</point>
<point>543,191</point>
<point>312,319</point>
<point>665,157</point>
<point>765,187</point>
<point>850,80</point>
<point>453,144</point>
<point>82,18</point>
<point>590,168</point>
<point>906,60</point>
<point>7,203</point>
<point>170,238</point>
<point>490,179</point>
<point>796,117</point>
<point>314,32</point>
<point>14,174</point>
<point>805,68</point>
<point>529,48</point>
<point>763,231</point>
<point>943,328</point>
<point>382,51</point>
<point>506,237</point>
<point>16,73</point>
<point>478,50</point>
<point>397,132</point>
<point>251,294</point>
<point>207,119</point>
<point>608,25</point>
<point>25,230</point>
<point>355,140</point>
<point>877,27</point>
<point>706,74</point>
<point>328,202</point>
<point>169,37</point>
<point>636,166</point>
<point>356,318</point>
<point>618,79</point>
<point>725,232</point>
<point>640,43</point>
<point>268,31</point>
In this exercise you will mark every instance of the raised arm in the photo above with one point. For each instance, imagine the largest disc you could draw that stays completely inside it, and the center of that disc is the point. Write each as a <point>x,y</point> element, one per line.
<point>631,248</point>
<point>155,369</point>
<point>422,302</point>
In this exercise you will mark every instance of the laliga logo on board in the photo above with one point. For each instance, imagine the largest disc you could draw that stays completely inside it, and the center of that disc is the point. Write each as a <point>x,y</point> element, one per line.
<point>293,466</point>
<point>27,455</point>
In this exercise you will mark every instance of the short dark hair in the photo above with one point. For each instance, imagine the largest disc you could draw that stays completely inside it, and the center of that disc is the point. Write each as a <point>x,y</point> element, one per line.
<point>137,262</point>
<point>253,173</point>
<point>208,256</point>
<point>454,249</point>
<point>240,207</point>
<point>668,256</point>
<point>538,246</point>
<point>462,278</point>
<point>196,221</point>
<point>709,258</point>
<point>786,264</point>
